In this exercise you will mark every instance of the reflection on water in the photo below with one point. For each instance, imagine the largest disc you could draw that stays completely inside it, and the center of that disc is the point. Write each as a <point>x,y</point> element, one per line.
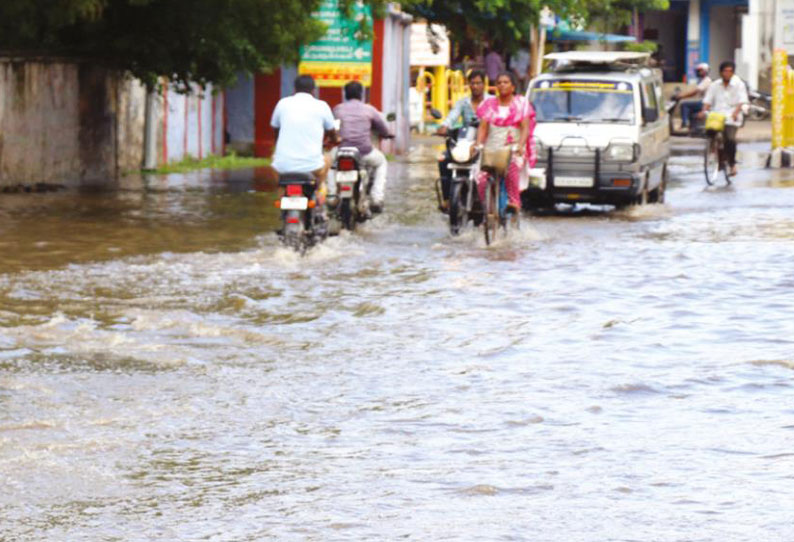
<point>167,371</point>
<point>179,213</point>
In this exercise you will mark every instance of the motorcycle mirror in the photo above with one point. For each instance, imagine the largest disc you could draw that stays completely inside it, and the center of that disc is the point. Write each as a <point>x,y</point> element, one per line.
<point>391,117</point>
<point>436,114</point>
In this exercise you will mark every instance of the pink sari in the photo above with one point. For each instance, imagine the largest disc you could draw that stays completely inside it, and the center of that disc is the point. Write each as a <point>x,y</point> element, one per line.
<point>503,130</point>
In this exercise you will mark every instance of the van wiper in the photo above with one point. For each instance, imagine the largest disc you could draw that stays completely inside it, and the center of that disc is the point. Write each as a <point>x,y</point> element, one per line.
<point>568,118</point>
<point>614,119</point>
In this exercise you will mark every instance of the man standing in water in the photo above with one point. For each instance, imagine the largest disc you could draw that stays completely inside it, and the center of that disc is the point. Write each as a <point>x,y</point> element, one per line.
<point>464,110</point>
<point>727,96</point>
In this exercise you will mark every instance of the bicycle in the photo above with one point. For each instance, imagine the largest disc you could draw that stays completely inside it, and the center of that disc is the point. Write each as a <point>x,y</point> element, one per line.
<point>714,159</point>
<point>495,213</point>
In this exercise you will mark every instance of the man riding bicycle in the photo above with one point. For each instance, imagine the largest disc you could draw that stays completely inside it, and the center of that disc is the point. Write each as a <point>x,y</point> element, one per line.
<point>727,96</point>
<point>358,121</point>
<point>302,122</point>
<point>693,107</point>
<point>463,112</point>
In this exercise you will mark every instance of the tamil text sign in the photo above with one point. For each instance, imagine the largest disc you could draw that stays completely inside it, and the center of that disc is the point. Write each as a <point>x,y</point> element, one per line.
<point>339,56</point>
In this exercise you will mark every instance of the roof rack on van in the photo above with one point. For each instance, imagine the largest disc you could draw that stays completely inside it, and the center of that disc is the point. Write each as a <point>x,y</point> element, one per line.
<point>598,60</point>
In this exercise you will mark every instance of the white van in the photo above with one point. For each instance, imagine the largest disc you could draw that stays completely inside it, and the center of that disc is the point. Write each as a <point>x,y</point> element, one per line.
<point>602,134</point>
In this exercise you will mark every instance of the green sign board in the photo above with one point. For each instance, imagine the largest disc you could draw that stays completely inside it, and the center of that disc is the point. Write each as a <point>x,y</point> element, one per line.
<point>339,57</point>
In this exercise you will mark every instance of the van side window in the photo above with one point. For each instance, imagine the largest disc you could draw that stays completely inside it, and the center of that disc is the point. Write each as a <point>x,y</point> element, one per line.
<point>650,105</point>
<point>659,98</point>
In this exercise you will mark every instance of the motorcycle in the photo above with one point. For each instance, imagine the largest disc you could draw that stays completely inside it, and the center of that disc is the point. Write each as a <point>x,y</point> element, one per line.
<point>302,212</point>
<point>353,186</point>
<point>760,107</point>
<point>463,164</point>
<point>696,126</point>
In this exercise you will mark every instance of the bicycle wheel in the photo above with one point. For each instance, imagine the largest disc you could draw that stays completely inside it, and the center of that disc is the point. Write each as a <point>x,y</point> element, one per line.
<point>726,170</point>
<point>711,160</point>
<point>491,219</point>
<point>457,209</point>
<point>508,216</point>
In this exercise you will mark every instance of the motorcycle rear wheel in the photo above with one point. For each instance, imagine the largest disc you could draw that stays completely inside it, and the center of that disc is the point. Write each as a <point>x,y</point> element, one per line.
<point>346,214</point>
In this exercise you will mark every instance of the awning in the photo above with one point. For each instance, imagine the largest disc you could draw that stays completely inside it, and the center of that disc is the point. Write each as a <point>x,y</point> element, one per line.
<point>558,34</point>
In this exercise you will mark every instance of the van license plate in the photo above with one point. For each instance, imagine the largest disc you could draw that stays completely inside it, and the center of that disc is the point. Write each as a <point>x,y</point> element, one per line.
<point>573,182</point>
<point>294,204</point>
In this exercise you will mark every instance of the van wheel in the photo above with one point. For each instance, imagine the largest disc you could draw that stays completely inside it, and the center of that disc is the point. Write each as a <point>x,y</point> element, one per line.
<point>657,194</point>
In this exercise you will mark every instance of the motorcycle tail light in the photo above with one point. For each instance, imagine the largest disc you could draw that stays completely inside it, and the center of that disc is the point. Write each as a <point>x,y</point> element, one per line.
<point>346,188</point>
<point>294,190</point>
<point>293,220</point>
<point>346,164</point>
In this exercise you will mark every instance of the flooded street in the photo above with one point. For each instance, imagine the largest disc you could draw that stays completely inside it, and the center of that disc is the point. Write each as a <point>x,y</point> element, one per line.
<point>167,372</point>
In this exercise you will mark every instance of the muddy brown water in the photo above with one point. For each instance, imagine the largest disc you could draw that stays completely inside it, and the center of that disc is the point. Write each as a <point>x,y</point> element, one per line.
<point>168,372</point>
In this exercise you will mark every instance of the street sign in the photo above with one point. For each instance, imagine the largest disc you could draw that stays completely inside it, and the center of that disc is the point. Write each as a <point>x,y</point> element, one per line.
<point>339,56</point>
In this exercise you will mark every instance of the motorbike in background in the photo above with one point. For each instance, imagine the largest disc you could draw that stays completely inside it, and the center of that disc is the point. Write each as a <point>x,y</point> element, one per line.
<point>302,212</point>
<point>696,126</point>
<point>760,105</point>
<point>462,162</point>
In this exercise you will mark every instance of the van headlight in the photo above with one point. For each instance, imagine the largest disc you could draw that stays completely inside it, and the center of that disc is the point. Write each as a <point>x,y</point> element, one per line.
<point>620,152</point>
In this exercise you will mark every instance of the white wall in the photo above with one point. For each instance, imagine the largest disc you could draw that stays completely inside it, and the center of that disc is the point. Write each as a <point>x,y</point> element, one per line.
<point>723,38</point>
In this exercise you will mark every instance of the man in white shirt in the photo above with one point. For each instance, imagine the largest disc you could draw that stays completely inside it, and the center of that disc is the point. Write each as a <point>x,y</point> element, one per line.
<point>301,122</point>
<point>727,96</point>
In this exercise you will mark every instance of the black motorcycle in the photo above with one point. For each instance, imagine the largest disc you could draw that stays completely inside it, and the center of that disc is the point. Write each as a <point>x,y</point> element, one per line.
<point>353,186</point>
<point>302,214</point>
<point>459,167</point>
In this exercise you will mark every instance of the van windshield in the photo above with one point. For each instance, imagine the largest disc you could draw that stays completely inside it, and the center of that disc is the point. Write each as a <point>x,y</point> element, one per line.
<point>590,101</point>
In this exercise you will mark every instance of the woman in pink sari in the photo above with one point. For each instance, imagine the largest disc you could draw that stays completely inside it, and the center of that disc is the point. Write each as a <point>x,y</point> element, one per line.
<point>507,120</point>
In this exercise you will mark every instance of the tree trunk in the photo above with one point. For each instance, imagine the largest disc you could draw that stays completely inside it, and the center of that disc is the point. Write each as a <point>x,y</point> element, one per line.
<point>534,52</point>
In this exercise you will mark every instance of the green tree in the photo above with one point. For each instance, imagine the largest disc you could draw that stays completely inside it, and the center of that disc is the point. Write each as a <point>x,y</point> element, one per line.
<point>611,15</point>
<point>509,22</point>
<point>202,41</point>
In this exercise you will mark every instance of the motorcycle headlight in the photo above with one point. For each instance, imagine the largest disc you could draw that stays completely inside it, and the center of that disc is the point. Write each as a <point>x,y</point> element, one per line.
<point>619,152</point>
<point>462,152</point>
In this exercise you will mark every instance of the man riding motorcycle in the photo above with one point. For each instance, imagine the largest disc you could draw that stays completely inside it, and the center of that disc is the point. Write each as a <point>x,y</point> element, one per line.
<point>464,110</point>
<point>358,121</point>
<point>693,107</point>
<point>727,96</point>
<point>301,123</point>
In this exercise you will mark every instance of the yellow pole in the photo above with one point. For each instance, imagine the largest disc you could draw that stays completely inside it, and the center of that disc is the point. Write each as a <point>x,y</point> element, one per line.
<point>779,98</point>
<point>424,80</point>
<point>441,90</point>
<point>788,116</point>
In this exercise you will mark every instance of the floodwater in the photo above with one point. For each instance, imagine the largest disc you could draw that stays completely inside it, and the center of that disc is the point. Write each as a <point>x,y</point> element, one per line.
<point>167,372</point>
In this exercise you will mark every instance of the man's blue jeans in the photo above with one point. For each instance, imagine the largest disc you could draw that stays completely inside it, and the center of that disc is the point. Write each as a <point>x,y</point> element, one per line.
<point>688,109</point>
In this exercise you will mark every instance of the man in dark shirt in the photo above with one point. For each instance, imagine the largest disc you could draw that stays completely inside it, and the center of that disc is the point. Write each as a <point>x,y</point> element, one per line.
<point>358,121</point>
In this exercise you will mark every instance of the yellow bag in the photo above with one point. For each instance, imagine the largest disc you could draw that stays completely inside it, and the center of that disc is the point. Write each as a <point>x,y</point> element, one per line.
<point>715,122</point>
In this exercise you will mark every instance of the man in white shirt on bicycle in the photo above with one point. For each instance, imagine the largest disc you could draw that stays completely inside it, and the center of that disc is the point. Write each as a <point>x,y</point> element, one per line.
<point>727,95</point>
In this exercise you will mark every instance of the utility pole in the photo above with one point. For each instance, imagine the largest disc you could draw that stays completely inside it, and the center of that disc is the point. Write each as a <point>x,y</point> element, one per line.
<point>150,130</point>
